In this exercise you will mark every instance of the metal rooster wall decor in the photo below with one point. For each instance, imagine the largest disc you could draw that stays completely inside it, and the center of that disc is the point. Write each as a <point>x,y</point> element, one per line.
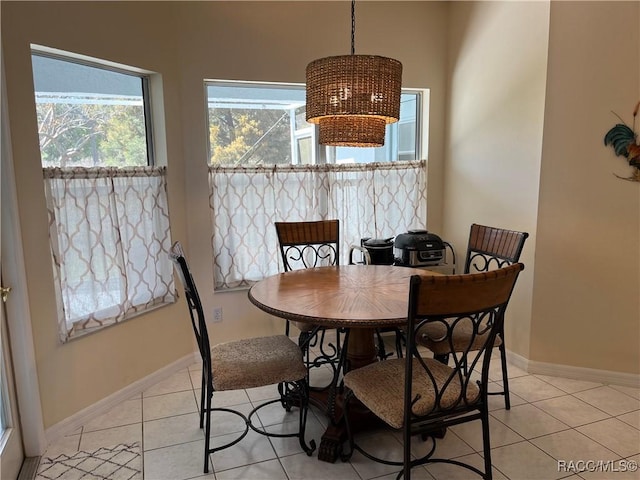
<point>624,141</point>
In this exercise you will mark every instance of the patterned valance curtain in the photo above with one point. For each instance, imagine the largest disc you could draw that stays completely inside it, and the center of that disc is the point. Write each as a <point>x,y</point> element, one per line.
<point>110,241</point>
<point>371,200</point>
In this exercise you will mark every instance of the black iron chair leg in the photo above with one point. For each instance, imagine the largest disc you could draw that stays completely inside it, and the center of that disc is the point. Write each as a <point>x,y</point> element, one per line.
<point>382,353</point>
<point>203,391</point>
<point>207,432</point>
<point>505,375</point>
<point>406,457</point>
<point>400,342</point>
<point>346,456</point>
<point>486,444</point>
<point>303,392</point>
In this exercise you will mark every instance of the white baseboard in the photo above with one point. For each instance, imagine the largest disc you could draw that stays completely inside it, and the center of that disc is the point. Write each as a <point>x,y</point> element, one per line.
<point>576,373</point>
<point>72,423</point>
<point>517,360</point>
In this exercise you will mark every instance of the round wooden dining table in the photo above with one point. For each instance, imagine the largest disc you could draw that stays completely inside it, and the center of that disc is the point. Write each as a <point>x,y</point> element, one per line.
<point>361,298</point>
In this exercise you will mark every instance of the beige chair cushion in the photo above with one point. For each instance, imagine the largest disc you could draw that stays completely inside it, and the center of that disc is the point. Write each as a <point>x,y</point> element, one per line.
<point>256,362</point>
<point>380,386</point>
<point>433,336</point>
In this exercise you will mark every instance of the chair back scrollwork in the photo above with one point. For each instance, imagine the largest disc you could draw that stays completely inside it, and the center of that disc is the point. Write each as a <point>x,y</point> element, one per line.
<point>474,304</point>
<point>309,244</point>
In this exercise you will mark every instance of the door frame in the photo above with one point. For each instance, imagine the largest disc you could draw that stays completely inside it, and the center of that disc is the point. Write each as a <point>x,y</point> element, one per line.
<point>17,309</point>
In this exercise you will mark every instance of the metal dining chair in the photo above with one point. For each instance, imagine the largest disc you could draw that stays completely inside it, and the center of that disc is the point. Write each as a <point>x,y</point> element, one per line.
<point>242,364</point>
<point>422,396</point>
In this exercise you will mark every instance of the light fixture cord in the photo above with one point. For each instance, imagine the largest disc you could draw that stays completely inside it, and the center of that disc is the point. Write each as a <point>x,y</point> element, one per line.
<point>353,27</point>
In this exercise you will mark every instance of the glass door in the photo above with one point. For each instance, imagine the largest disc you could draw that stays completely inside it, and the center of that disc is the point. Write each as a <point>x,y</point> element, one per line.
<point>11,446</point>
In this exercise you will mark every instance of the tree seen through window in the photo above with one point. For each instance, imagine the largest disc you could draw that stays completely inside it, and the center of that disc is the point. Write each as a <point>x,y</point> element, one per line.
<point>89,116</point>
<point>249,136</point>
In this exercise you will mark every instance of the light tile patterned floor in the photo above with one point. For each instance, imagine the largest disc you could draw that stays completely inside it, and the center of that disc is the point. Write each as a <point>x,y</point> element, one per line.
<point>552,422</point>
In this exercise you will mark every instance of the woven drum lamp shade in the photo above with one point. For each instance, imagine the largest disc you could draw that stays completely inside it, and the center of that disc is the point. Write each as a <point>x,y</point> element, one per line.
<point>353,97</point>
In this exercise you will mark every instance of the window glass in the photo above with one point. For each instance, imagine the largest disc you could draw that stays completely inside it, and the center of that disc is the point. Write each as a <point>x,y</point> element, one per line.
<point>89,116</point>
<point>251,124</point>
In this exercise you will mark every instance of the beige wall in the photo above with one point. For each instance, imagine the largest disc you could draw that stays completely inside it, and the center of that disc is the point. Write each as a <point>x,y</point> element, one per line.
<point>83,371</point>
<point>186,42</point>
<point>497,73</point>
<point>586,309</point>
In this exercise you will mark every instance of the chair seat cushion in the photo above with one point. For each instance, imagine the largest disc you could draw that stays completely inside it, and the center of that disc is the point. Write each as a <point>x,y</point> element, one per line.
<point>433,335</point>
<point>255,362</point>
<point>380,386</point>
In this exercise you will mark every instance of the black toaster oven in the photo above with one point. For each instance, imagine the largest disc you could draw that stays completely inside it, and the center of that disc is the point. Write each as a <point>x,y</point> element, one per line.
<point>418,248</point>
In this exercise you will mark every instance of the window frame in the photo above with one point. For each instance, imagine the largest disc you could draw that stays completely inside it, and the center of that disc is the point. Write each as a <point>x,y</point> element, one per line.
<point>143,75</point>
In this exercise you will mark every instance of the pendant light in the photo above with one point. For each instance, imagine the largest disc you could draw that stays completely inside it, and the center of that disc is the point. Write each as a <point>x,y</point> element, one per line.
<point>353,97</point>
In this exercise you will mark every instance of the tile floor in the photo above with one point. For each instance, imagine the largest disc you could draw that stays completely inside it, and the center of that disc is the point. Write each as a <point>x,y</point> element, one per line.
<point>554,423</point>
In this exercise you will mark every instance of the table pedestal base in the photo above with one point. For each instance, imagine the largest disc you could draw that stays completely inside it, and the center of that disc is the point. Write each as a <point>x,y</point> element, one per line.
<point>361,351</point>
<point>360,418</point>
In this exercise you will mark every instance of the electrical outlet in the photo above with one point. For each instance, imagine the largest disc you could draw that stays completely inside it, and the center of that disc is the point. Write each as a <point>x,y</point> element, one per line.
<point>217,314</point>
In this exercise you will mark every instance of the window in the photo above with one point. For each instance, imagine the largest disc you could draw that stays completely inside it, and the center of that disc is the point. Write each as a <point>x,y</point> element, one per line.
<point>107,202</point>
<point>256,124</point>
<point>89,115</point>
<point>266,166</point>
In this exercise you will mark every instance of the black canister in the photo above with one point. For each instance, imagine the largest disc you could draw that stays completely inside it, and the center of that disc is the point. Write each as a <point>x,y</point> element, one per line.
<point>380,250</point>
